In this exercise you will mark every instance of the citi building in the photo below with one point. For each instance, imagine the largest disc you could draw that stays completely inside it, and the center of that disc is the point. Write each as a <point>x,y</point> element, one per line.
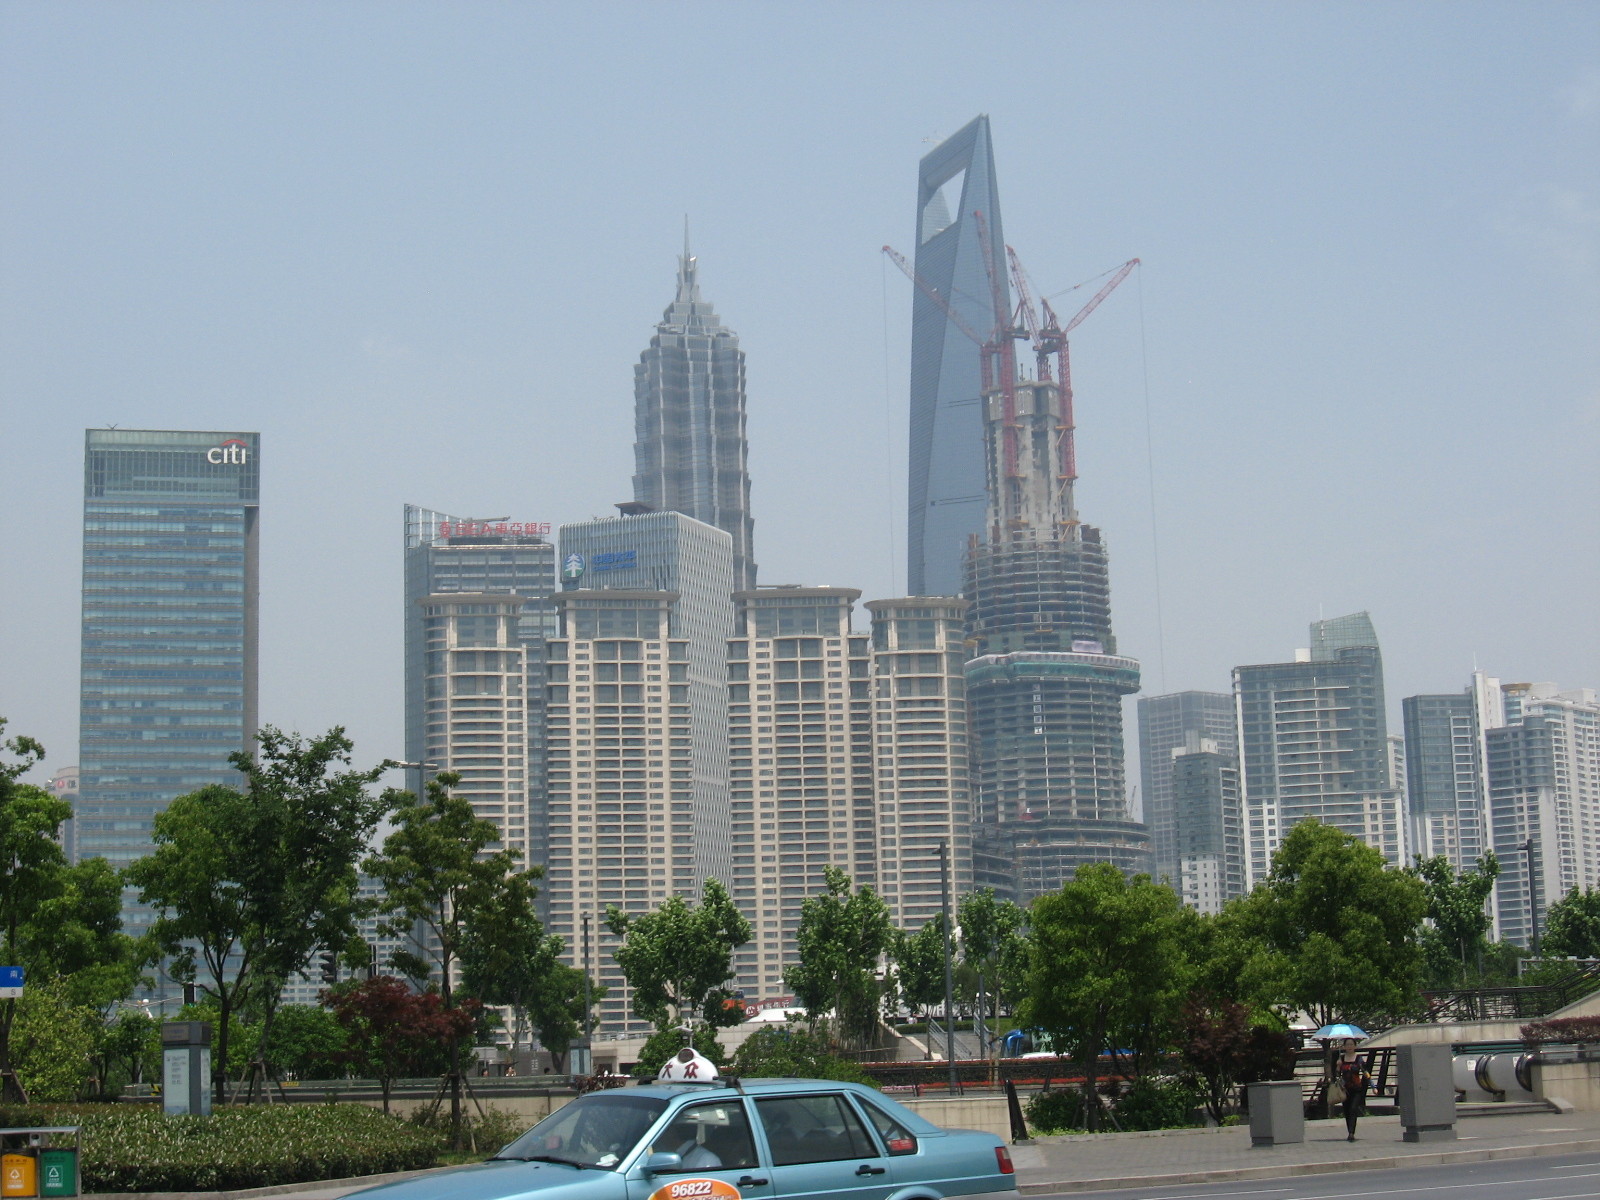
<point>169,671</point>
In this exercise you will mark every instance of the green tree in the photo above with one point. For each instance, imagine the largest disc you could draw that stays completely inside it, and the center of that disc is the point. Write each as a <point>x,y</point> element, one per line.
<point>132,1043</point>
<point>793,1050</point>
<point>841,936</point>
<point>1572,925</point>
<point>76,935</point>
<point>438,869</point>
<point>248,884</point>
<point>919,965</point>
<point>678,958</point>
<point>307,1042</point>
<point>508,959</point>
<point>32,870</point>
<point>1107,958</point>
<point>1454,943</point>
<point>1337,929</point>
<point>55,1041</point>
<point>664,1043</point>
<point>556,1007</point>
<point>990,932</point>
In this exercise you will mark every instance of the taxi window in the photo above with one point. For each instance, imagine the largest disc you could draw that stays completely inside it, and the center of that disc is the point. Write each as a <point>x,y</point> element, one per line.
<point>818,1128</point>
<point>709,1137</point>
<point>896,1136</point>
<point>592,1131</point>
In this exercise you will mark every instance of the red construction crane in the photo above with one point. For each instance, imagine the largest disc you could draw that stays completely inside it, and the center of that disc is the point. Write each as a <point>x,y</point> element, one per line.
<point>1002,346</point>
<point>989,352</point>
<point>1049,340</point>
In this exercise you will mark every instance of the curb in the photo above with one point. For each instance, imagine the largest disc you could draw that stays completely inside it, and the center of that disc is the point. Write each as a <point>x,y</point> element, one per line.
<point>1283,1170</point>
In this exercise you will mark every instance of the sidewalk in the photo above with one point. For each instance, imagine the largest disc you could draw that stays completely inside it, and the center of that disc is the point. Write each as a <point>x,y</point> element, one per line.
<point>1090,1162</point>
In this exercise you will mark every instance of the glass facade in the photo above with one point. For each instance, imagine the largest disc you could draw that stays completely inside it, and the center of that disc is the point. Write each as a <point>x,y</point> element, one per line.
<point>1313,742</point>
<point>946,476</point>
<point>169,654</point>
<point>1165,723</point>
<point>689,448</point>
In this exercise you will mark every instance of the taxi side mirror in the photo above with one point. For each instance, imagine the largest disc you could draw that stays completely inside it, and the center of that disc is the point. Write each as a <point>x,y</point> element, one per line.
<point>658,1164</point>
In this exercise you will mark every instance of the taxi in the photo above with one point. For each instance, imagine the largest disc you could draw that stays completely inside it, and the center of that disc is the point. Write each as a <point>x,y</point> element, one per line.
<point>692,1135</point>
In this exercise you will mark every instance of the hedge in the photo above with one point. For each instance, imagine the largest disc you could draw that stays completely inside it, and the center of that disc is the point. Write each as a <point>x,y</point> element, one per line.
<point>139,1149</point>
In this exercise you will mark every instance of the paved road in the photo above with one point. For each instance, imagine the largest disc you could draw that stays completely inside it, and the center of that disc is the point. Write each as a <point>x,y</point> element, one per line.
<point>1522,1146</point>
<point>1558,1178</point>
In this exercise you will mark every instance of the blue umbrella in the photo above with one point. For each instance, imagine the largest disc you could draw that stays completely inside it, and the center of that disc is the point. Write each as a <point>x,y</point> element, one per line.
<point>1341,1031</point>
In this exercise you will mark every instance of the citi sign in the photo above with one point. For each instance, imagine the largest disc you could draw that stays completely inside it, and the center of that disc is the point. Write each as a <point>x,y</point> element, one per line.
<point>233,451</point>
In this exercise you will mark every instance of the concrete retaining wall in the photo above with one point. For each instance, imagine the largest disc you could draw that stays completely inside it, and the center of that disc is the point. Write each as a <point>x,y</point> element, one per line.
<point>985,1113</point>
<point>1574,1083</point>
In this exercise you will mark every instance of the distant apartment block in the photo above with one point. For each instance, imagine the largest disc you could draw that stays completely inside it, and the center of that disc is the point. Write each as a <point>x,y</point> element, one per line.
<point>1166,724</point>
<point>1313,742</point>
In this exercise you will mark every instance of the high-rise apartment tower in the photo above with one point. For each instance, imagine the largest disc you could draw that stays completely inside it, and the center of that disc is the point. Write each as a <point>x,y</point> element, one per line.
<point>947,494</point>
<point>1313,742</point>
<point>477,613</point>
<point>170,660</point>
<point>689,421</point>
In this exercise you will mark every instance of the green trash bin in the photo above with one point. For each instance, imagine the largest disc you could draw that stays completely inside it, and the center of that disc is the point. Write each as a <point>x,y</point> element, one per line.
<point>58,1172</point>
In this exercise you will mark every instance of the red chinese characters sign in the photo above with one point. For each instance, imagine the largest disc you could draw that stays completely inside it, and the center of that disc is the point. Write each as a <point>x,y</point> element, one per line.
<point>493,528</point>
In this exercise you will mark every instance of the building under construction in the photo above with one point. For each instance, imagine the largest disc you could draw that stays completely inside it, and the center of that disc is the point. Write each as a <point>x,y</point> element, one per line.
<point>1044,683</point>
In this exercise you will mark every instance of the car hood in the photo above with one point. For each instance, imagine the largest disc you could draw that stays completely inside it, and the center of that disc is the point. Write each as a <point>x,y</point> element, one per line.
<point>504,1179</point>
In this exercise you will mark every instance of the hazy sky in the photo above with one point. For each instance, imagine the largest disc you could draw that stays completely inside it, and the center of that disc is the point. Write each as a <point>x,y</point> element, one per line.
<point>420,246</point>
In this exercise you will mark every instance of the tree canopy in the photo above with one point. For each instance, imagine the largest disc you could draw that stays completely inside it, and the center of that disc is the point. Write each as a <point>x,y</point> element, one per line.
<point>438,868</point>
<point>247,884</point>
<point>1107,961</point>
<point>841,936</point>
<point>61,924</point>
<point>1336,927</point>
<point>678,958</point>
<point>1572,925</point>
<point>1454,942</point>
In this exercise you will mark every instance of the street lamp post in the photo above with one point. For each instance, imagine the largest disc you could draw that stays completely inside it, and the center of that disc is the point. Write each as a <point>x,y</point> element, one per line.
<point>419,768</point>
<point>1533,899</point>
<point>949,974</point>
<point>587,1059</point>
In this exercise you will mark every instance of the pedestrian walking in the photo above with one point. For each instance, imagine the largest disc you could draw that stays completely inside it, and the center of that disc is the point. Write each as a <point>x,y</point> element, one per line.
<point>1351,1072</point>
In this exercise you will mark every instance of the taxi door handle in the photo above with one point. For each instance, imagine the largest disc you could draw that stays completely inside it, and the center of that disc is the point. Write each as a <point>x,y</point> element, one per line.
<point>750,1181</point>
<point>869,1169</point>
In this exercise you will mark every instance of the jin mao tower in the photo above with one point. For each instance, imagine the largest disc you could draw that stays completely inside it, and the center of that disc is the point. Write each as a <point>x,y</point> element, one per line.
<point>690,453</point>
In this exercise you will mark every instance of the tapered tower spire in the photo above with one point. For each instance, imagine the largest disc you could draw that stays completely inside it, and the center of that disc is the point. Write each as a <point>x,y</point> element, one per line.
<point>690,453</point>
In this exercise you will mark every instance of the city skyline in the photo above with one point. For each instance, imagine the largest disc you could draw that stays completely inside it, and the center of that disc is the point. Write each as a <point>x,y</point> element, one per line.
<point>1268,504</point>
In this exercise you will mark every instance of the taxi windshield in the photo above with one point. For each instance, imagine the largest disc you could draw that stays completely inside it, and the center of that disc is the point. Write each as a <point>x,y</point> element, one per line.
<point>592,1131</point>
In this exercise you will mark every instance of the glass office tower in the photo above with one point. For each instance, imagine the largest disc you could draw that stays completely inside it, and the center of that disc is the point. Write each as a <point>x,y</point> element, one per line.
<point>170,661</point>
<point>689,449</point>
<point>947,487</point>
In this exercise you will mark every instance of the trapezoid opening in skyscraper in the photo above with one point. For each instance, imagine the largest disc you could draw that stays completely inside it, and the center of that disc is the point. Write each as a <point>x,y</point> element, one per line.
<point>958,209</point>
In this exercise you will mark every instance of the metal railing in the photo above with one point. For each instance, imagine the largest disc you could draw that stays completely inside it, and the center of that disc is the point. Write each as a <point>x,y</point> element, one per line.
<point>1510,1003</point>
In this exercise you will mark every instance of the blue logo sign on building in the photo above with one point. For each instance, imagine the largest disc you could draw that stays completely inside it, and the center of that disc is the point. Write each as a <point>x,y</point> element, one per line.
<point>572,568</point>
<point>615,560</point>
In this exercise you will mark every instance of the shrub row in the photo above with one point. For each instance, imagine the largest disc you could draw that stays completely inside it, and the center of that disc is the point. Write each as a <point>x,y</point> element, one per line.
<point>140,1149</point>
<point>1147,1103</point>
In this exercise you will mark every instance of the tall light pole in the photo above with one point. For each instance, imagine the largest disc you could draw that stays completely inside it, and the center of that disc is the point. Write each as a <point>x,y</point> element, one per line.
<point>419,768</point>
<point>1533,899</point>
<point>949,971</point>
<point>588,1042</point>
